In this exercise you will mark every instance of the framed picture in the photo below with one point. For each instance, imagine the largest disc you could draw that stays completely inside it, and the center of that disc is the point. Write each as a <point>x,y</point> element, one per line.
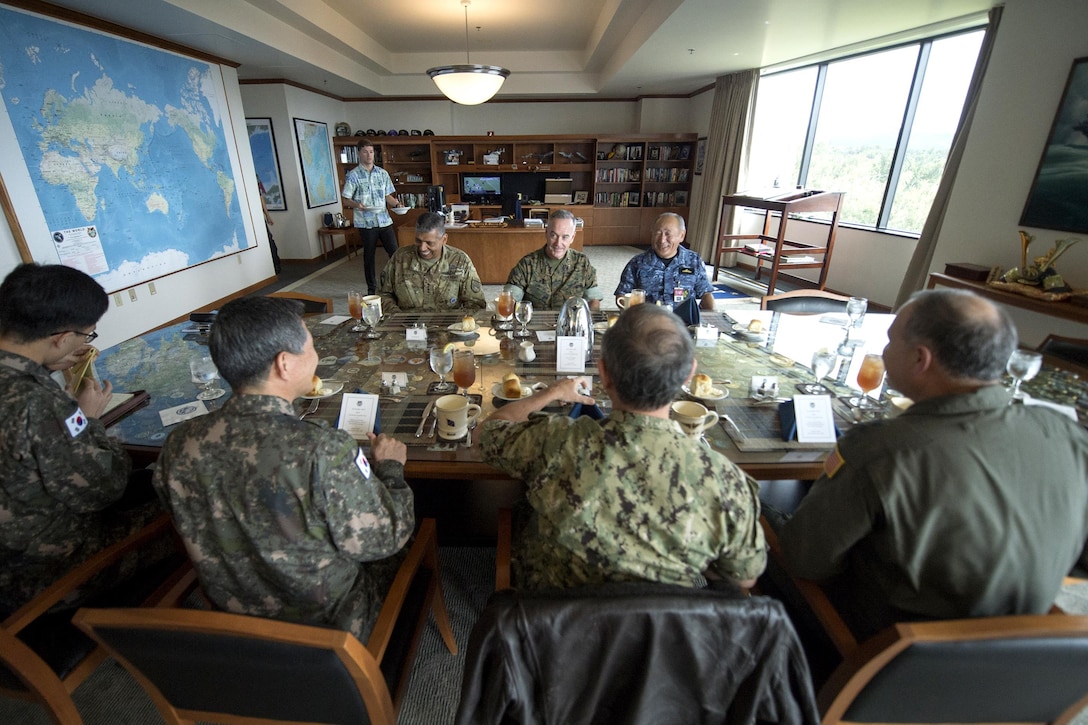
<point>581,197</point>
<point>681,198</point>
<point>315,157</point>
<point>262,142</point>
<point>1056,199</point>
<point>700,154</point>
<point>655,152</point>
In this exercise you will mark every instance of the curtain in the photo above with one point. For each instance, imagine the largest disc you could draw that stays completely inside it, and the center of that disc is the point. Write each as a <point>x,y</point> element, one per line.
<point>918,269</point>
<point>731,116</point>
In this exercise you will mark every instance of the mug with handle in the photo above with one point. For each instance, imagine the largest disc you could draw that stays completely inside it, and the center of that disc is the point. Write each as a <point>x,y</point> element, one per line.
<point>632,298</point>
<point>694,418</point>
<point>454,414</point>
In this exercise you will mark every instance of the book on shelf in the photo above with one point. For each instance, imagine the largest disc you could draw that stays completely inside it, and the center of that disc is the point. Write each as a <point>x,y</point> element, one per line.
<point>797,259</point>
<point>759,248</point>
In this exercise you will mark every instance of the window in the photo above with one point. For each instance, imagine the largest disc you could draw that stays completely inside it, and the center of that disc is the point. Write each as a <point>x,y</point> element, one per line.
<point>877,126</point>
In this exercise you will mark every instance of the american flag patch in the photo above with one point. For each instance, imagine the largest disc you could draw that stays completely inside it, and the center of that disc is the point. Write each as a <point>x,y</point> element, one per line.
<point>833,463</point>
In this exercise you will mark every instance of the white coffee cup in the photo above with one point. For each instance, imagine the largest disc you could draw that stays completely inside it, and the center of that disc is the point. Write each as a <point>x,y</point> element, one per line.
<point>454,413</point>
<point>692,417</point>
<point>632,298</point>
<point>374,300</point>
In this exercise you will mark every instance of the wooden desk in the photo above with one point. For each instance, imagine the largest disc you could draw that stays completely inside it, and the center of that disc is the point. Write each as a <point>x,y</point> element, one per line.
<point>493,251</point>
<point>328,235</point>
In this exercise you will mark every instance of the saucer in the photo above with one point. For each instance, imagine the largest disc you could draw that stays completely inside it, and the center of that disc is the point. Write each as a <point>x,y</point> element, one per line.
<point>496,390</point>
<point>330,388</point>
<point>455,329</point>
<point>716,393</point>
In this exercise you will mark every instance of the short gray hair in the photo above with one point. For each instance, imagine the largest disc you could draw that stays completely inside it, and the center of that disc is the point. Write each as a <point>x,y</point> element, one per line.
<point>970,337</point>
<point>648,354</point>
<point>679,219</point>
<point>250,332</point>
<point>430,221</point>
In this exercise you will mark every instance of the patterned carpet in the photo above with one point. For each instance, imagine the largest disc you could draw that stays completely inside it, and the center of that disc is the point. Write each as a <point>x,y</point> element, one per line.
<point>111,697</point>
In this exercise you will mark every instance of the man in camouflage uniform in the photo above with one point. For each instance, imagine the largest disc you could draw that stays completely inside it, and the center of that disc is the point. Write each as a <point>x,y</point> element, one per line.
<point>61,476</point>
<point>670,273</point>
<point>551,274</point>
<point>283,518</point>
<point>631,497</point>
<point>430,276</point>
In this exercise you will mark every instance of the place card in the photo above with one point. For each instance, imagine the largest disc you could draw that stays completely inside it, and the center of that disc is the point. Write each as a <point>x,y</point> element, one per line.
<point>185,411</point>
<point>415,334</point>
<point>545,335</point>
<point>815,419</point>
<point>570,354</point>
<point>334,320</point>
<point>358,413</point>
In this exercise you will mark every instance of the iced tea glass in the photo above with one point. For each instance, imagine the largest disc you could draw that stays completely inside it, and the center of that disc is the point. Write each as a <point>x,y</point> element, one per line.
<point>464,369</point>
<point>504,306</point>
<point>870,376</point>
<point>355,309</point>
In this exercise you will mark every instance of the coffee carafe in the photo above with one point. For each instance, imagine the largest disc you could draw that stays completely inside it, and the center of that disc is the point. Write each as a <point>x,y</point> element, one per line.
<point>576,320</point>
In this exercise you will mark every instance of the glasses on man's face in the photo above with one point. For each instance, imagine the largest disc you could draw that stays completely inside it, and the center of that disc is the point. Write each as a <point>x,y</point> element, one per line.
<point>91,336</point>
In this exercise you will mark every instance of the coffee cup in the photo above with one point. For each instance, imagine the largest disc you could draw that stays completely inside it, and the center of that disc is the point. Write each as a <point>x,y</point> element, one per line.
<point>454,413</point>
<point>374,300</point>
<point>632,298</point>
<point>693,417</point>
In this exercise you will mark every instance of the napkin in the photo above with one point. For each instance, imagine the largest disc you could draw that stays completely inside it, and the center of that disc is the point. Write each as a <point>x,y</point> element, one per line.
<point>688,310</point>
<point>593,411</point>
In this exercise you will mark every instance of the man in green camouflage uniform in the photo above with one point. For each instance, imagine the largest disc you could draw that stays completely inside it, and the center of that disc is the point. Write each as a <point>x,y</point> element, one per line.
<point>551,274</point>
<point>61,476</point>
<point>629,498</point>
<point>430,276</point>
<point>282,517</point>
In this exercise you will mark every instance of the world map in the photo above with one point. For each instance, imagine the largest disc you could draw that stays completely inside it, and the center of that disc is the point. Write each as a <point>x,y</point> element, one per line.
<point>125,146</point>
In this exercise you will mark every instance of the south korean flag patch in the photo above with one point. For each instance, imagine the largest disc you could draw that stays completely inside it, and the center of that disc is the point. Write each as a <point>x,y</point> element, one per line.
<point>77,422</point>
<point>363,464</point>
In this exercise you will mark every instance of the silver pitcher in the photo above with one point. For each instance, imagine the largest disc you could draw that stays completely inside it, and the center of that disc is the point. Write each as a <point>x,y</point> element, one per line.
<point>576,320</point>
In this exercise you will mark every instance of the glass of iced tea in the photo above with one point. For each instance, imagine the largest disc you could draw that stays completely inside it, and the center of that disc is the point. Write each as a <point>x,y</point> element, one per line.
<point>355,309</point>
<point>504,306</point>
<point>464,369</point>
<point>870,376</point>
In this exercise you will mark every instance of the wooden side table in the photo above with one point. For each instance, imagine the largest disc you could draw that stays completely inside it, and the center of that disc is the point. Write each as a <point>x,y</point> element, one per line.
<point>329,234</point>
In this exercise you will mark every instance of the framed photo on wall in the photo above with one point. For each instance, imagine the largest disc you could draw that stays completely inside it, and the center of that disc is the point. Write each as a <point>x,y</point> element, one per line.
<point>315,158</point>
<point>700,154</point>
<point>1056,199</point>
<point>266,162</point>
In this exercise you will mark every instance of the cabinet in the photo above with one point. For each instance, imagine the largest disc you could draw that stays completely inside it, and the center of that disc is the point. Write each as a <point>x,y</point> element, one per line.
<point>654,171</point>
<point>407,161</point>
<point>776,249</point>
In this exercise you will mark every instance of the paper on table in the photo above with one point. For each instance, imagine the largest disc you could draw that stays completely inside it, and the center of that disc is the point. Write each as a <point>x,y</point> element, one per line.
<point>185,411</point>
<point>335,320</point>
<point>357,414</point>
<point>570,354</point>
<point>545,335</point>
<point>1066,410</point>
<point>815,419</point>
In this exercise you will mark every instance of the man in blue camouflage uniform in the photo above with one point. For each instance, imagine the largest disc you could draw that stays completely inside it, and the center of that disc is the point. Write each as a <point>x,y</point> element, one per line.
<point>61,476</point>
<point>551,274</point>
<point>628,498</point>
<point>430,276</point>
<point>283,518</point>
<point>669,272</point>
<point>962,506</point>
<point>369,186</point>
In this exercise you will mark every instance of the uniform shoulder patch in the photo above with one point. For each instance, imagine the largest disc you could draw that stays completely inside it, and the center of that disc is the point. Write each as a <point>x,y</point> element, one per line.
<point>362,463</point>
<point>76,422</point>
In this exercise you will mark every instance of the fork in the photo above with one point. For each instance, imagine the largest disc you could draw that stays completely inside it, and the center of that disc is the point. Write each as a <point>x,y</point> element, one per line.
<point>312,409</point>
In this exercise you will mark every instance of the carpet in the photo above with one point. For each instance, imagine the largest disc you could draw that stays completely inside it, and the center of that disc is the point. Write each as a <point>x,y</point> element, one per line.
<point>111,697</point>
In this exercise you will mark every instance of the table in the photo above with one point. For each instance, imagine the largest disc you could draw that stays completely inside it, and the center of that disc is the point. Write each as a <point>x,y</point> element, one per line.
<point>329,234</point>
<point>494,250</point>
<point>158,363</point>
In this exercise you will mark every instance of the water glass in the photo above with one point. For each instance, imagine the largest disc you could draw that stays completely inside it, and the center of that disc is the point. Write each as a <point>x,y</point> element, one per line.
<point>523,314</point>
<point>1022,365</point>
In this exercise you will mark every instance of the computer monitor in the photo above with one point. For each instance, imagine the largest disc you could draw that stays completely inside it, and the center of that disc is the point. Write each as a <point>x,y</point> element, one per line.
<point>482,189</point>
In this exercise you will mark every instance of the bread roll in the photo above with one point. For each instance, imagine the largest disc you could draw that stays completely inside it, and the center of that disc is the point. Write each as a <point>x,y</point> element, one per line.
<point>755,326</point>
<point>701,385</point>
<point>511,386</point>
<point>317,385</point>
<point>468,323</point>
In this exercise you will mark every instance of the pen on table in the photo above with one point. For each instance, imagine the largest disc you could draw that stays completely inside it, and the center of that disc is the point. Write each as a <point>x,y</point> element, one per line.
<point>732,424</point>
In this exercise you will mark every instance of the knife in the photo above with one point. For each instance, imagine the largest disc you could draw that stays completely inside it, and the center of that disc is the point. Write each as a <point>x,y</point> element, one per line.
<point>426,412</point>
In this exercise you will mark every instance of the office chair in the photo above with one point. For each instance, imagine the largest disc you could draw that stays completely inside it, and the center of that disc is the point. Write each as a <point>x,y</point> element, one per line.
<point>805,302</point>
<point>203,665</point>
<point>43,658</point>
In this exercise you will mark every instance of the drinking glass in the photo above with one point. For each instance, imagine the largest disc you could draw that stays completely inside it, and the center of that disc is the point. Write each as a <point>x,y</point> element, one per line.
<point>371,314</point>
<point>1022,365</point>
<point>441,364</point>
<point>355,309</point>
<point>523,314</point>
<point>464,369</point>
<point>870,375</point>
<point>504,306</point>
<point>823,361</point>
<point>855,310</point>
<point>204,374</point>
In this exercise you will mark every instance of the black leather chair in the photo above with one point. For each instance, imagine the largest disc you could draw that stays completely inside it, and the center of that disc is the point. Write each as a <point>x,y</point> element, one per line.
<point>1067,349</point>
<point>805,302</point>
<point>1019,669</point>
<point>634,653</point>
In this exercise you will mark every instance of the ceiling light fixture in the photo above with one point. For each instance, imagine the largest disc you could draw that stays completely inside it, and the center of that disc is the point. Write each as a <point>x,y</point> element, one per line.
<point>468,84</point>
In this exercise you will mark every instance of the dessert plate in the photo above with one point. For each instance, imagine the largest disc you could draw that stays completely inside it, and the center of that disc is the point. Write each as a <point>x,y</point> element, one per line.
<point>329,388</point>
<point>716,393</point>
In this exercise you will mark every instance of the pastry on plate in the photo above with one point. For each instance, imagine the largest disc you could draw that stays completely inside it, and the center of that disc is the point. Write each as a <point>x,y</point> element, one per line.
<point>318,386</point>
<point>468,323</point>
<point>702,386</point>
<point>511,386</point>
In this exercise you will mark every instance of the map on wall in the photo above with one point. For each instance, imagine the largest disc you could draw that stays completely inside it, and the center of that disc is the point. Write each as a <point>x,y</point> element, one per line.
<point>315,157</point>
<point>125,146</point>
<point>262,142</point>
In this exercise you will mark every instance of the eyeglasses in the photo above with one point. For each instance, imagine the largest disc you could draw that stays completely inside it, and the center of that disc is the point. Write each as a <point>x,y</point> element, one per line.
<point>91,336</point>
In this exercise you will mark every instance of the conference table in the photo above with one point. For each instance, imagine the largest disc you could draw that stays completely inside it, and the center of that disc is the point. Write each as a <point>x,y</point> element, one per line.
<point>749,432</point>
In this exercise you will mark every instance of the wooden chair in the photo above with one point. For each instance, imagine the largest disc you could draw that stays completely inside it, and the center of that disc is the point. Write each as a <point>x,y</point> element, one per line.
<point>182,658</point>
<point>503,545</point>
<point>43,658</point>
<point>310,303</point>
<point>1066,350</point>
<point>1018,669</point>
<point>805,302</point>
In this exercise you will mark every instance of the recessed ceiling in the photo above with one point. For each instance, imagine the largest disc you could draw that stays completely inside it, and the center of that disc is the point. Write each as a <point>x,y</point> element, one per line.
<point>559,48</point>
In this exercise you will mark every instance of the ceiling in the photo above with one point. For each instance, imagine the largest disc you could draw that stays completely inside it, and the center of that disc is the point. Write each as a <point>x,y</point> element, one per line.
<point>555,48</point>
